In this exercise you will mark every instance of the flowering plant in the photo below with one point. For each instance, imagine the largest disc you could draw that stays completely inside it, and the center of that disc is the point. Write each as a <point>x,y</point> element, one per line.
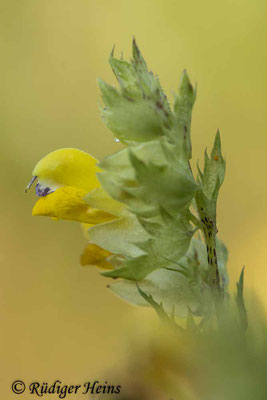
<point>150,224</point>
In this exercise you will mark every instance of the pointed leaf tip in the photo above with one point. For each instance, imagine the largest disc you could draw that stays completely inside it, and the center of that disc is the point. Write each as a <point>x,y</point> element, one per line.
<point>240,301</point>
<point>217,140</point>
<point>185,87</point>
<point>112,51</point>
<point>109,94</point>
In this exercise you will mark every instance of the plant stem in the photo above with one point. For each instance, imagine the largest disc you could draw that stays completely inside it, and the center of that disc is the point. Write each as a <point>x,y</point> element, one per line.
<point>209,231</point>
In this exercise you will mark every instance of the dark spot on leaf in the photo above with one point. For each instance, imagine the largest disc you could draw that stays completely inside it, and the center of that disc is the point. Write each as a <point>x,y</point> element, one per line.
<point>159,105</point>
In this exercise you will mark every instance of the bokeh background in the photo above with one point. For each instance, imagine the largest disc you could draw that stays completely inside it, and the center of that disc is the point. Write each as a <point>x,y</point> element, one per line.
<point>58,320</point>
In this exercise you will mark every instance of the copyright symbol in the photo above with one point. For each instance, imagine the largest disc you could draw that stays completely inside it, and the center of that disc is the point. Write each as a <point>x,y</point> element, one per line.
<point>18,387</point>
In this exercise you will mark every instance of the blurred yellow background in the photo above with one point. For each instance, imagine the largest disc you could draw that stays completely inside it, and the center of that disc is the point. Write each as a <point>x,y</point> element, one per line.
<point>57,318</point>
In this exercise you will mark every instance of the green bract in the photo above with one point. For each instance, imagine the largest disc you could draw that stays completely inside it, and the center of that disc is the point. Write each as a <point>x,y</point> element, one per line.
<point>179,286</point>
<point>211,178</point>
<point>148,176</point>
<point>139,111</point>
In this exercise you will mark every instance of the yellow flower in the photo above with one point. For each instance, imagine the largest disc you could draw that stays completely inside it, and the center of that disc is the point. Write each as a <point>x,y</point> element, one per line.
<point>64,178</point>
<point>95,255</point>
<point>68,188</point>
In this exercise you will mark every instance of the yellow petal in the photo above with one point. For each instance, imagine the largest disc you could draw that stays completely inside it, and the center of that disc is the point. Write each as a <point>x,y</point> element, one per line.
<point>95,255</point>
<point>67,203</point>
<point>68,167</point>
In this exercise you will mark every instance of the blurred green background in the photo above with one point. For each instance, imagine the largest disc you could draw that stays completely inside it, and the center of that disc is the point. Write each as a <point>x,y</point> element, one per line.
<point>57,318</point>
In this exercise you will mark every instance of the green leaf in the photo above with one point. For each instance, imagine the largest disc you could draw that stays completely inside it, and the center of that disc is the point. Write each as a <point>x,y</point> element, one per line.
<point>214,170</point>
<point>126,77</point>
<point>180,285</point>
<point>149,83</point>
<point>130,120</point>
<point>119,236</point>
<point>183,106</point>
<point>195,264</point>
<point>210,182</point>
<point>222,257</point>
<point>171,186</point>
<point>145,179</point>
<point>110,95</point>
<point>139,111</point>
<point>168,239</point>
<point>157,307</point>
<point>240,301</point>
<point>167,287</point>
